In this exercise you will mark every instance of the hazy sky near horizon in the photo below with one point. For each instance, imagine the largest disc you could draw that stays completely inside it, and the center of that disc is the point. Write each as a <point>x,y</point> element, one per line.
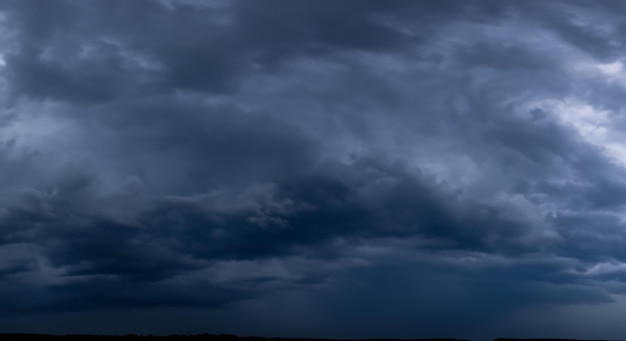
<point>351,169</point>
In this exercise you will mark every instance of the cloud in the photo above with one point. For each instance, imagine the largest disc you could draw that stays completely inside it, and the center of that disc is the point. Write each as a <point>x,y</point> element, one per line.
<point>409,169</point>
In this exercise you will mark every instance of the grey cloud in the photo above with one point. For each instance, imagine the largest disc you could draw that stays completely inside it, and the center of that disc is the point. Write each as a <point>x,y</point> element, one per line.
<point>407,167</point>
<point>159,55</point>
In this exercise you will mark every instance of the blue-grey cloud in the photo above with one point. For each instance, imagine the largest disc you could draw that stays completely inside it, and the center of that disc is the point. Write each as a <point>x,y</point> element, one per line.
<point>351,169</point>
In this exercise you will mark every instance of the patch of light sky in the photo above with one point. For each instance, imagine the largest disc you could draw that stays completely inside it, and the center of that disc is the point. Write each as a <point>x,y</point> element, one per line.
<point>595,126</point>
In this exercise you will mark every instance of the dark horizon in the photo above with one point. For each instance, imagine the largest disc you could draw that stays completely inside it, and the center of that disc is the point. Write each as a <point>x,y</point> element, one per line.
<point>330,169</point>
<point>222,337</point>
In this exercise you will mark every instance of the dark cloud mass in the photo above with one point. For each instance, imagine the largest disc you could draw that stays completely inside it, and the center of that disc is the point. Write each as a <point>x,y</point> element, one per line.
<point>313,168</point>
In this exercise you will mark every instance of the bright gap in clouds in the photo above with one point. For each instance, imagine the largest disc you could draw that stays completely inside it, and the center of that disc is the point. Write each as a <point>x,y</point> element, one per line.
<point>600,127</point>
<point>613,68</point>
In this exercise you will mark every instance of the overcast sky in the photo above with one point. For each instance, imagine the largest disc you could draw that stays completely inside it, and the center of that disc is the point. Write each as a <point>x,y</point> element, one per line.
<point>313,168</point>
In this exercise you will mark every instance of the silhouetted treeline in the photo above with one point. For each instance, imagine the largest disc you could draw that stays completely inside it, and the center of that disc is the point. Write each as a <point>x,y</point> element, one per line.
<point>209,337</point>
<point>221,337</point>
<point>509,339</point>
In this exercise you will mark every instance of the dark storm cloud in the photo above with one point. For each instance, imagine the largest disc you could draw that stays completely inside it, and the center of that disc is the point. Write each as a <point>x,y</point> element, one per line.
<point>414,167</point>
<point>67,51</point>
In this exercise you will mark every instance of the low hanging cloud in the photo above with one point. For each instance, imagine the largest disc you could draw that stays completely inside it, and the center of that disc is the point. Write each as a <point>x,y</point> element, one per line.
<point>351,169</point>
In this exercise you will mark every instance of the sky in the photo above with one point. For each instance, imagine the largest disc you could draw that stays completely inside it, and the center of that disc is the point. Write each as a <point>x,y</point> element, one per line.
<point>346,169</point>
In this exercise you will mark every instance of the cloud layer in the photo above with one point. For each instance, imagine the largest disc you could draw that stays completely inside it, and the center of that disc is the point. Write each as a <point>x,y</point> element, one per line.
<point>350,169</point>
